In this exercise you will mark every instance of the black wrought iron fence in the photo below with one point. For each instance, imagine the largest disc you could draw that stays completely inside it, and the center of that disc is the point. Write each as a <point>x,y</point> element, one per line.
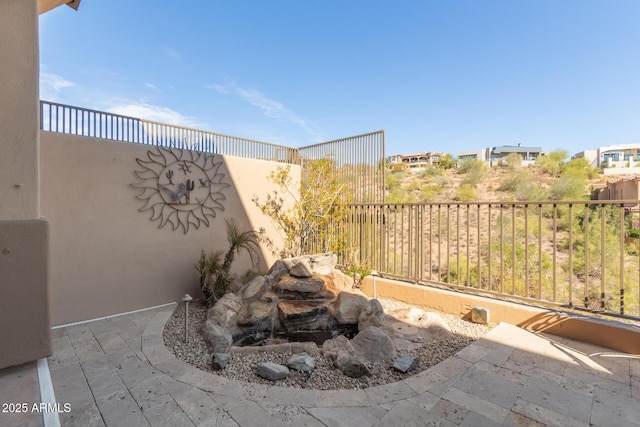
<point>580,254</point>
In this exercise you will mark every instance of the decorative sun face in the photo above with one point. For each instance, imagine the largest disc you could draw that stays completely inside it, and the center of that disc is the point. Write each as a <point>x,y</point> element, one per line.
<point>180,187</point>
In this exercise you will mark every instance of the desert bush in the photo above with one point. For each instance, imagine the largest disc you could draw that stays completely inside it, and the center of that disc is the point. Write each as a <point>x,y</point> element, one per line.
<point>568,188</point>
<point>474,170</point>
<point>444,181</point>
<point>553,163</point>
<point>429,193</point>
<point>431,172</point>
<point>515,180</point>
<point>400,196</point>
<point>466,193</point>
<point>513,160</point>
<point>580,168</point>
<point>467,165</point>
<point>413,185</point>
<point>392,181</point>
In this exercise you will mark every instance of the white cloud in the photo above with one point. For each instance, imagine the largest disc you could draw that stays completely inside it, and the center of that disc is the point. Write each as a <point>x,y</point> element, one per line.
<point>154,113</point>
<point>270,108</point>
<point>152,87</point>
<point>51,85</point>
<point>172,53</point>
<point>218,88</point>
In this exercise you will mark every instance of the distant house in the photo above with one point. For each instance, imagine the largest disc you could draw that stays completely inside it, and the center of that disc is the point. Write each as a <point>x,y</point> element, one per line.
<point>620,189</point>
<point>415,160</point>
<point>494,155</point>
<point>612,158</point>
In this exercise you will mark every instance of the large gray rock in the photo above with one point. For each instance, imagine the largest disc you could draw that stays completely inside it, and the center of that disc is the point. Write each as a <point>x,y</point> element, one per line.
<point>225,311</point>
<point>218,338</point>
<point>406,363</point>
<point>320,263</point>
<point>301,269</point>
<point>337,349</point>
<point>220,360</point>
<point>272,371</point>
<point>371,315</point>
<point>306,285</point>
<point>355,367</point>
<point>348,307</point>
<point>374,345</point>
<point>257,313</point>
<point>323,263</point>
<point>304,315</point>
<point>276,271</point>
<point>254,289</point>
<point>301,363</point>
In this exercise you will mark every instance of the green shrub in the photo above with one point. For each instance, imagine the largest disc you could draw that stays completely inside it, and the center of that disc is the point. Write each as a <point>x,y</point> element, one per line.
<point>414,184</point>
<point>567,188</point>
<point>430,172</point>
<point>515,180</point>
<point>466,193</point>
<point>467,165</point>
<point>513,160</point>
<point>475,171</point>
<point>429,193</point>
<point>444,181</point>
<point>400,196</point>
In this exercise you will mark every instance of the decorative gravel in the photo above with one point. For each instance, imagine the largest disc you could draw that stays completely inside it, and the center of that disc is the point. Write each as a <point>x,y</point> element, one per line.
<point>325,376</point>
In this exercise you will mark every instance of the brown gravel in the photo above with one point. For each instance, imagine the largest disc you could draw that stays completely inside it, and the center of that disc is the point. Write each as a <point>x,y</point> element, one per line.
<point>324,376</point>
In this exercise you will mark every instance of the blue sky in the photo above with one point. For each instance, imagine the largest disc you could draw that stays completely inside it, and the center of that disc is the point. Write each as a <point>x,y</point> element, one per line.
<point>435,75</point>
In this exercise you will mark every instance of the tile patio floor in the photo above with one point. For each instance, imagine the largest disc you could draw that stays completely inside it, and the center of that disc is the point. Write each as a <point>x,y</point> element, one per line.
<point>117,372</point>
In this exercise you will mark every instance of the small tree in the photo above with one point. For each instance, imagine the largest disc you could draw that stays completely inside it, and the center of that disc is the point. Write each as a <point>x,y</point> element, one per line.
<point>447,161</point>
<point>553,163</point>
<point>319,205</point>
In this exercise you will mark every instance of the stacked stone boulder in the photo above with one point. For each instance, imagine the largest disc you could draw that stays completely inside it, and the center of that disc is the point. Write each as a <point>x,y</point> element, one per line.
<point>308,294</point>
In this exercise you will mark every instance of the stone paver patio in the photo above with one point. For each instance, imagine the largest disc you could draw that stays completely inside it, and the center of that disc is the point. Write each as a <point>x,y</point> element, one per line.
<point>117,372</point>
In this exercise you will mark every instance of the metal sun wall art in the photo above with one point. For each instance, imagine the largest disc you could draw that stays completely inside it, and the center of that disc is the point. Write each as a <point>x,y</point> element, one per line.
<point>181,187</point>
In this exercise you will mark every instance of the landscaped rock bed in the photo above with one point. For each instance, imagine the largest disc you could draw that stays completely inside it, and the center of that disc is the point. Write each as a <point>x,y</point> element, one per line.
<point>417,336</point>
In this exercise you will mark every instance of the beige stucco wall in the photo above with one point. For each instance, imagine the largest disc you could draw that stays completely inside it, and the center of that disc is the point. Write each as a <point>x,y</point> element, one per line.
<point>18,110</point>
<point>106,256</point>
<point>24,314</point>
<point>606,333</point>
<point>24,311</point>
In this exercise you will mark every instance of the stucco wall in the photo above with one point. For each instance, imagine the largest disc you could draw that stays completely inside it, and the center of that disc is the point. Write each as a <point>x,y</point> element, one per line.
<point>24,315</point>
<point>24,311</point>
<point>106,256</point>
<point>18,110</point>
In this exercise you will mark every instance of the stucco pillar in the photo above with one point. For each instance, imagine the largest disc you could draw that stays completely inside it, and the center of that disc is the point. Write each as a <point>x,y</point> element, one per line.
<point>19,184</point>
<point>24,242</point>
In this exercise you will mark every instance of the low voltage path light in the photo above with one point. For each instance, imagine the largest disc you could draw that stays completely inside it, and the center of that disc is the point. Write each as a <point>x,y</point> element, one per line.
<point>186,298</point>
<point>374,274</point>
